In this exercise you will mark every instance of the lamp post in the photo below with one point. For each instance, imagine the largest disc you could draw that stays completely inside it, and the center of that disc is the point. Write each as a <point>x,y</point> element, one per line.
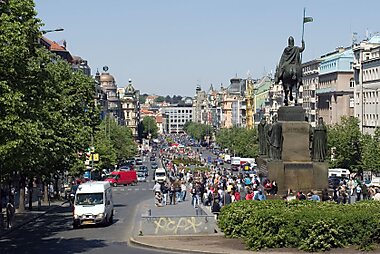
<point>52,30</point>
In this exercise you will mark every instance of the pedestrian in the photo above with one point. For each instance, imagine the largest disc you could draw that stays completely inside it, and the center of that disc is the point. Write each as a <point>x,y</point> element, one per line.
<point>183,191</point>
<point>10,210</point>
<point>164,190</point>
<point>358,192</point>
<point>365,192</point>
<point>172,194</point>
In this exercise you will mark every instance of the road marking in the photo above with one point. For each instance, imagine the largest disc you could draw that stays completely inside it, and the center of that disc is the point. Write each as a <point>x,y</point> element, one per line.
<point>122,189</point>
<point>129,189</point>
<point>137,189</point>
<point>143,189</point>
<point>60,239</point>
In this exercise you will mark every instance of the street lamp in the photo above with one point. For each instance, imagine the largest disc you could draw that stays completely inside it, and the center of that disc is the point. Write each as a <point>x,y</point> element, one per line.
<point>52,30</point>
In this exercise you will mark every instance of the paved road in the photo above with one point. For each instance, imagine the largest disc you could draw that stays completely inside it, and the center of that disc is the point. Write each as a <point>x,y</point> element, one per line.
<point>53,233</point>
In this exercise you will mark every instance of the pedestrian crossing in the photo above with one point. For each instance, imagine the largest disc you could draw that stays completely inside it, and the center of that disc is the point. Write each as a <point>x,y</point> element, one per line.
<point>123,189</point>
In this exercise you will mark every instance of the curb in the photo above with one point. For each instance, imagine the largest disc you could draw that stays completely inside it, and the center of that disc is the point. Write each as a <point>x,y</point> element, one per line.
<point>136,243</point>
<point>28,220</point>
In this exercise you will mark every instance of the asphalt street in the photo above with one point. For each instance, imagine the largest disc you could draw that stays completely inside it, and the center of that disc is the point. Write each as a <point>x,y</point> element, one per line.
<point>53,233</point>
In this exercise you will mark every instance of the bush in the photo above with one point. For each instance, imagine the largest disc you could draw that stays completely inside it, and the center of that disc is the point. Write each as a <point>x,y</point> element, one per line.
<point>307,225</point>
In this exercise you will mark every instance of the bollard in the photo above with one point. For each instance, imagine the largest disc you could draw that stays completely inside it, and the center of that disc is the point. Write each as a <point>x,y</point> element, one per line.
<point>149,212</point>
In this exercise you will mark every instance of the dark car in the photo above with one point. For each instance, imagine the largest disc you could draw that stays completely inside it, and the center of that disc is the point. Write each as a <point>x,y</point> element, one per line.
<point>126,167</point>
<point>144,169</point>
<point>234,168</point>
<point>334,182</point>
<point>152,158</point>
<point>139,161</point>
<point>154,165</point>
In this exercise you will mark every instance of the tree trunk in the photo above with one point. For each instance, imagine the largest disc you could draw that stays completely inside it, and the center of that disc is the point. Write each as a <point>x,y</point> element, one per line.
<point>21,206</point>
<point>30,188</point>
<point>56,192</point>
<point>46,193</point>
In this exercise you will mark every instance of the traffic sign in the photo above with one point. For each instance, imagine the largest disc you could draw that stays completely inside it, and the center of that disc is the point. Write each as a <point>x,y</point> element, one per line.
<point>94,156</point>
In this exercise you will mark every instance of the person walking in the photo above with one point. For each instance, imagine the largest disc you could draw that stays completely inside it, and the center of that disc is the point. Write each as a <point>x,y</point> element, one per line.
<point>164,190</point>
<point>172,194</point>
<point>10,210</point>
<point>183,191</point>
<point>358,192</point>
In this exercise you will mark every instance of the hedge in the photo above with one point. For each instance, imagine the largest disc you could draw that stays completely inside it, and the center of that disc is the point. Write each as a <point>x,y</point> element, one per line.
<point>307,225</point>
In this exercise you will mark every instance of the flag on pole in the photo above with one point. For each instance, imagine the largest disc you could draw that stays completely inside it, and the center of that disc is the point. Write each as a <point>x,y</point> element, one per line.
<point>307,19</point>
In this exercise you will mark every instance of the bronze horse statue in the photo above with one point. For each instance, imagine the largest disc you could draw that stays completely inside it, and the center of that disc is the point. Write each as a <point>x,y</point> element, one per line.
<point>291,81</point>
<point>289,70</point>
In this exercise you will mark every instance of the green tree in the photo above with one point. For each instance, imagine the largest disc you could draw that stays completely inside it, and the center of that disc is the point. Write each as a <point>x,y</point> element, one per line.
<point>142,98</point>
<point>150,127</point>
<point>370,151</point>
<point>114,143</point>
<point>160,99</point>
<point>168,99</point>
<point>346,139</point>
<point>240,141</point>
<point>45,108</point>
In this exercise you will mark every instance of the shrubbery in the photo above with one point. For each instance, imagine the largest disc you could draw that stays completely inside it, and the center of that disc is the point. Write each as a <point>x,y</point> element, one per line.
<point>310,226</point>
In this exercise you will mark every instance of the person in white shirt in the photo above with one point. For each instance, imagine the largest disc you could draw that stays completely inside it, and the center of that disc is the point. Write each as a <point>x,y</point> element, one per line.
<point>377,196</point>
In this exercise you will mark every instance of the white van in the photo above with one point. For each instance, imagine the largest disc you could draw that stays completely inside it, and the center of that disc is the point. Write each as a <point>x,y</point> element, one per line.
<point>160,175</point>
<point>339,172</point>
<point>93,204</point>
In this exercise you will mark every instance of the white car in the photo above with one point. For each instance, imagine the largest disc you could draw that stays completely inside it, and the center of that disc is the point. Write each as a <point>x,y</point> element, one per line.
<point>141,177</point>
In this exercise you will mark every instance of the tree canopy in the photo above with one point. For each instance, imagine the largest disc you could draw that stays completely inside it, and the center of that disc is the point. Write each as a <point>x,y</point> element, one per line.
<point>149,126</point>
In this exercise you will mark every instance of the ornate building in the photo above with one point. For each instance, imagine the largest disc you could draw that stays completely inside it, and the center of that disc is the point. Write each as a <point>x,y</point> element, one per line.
<point>108,96</point>
<point>130,106</point>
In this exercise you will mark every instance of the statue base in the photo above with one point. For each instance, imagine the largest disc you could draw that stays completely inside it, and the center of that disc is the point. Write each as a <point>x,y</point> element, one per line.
<point>297,176</point>
<point>295,170</point>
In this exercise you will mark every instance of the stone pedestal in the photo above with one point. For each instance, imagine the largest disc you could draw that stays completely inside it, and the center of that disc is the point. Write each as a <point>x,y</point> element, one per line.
<point>295,170</point>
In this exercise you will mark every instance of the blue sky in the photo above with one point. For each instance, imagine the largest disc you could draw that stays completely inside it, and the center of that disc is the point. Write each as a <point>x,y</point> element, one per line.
<point>168,47</point>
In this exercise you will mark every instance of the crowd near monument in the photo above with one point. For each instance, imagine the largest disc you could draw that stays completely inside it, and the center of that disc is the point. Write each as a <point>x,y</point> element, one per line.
<point>291,151</point>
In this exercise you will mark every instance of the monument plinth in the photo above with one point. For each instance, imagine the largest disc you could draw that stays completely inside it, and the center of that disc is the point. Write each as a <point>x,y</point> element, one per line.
<point>295,170</point>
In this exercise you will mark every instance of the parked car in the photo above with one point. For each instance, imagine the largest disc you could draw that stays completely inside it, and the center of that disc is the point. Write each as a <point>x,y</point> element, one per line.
<point>154,165</point>
<point>141,177</point>
<point>152,158</point>
<point>122,177</point>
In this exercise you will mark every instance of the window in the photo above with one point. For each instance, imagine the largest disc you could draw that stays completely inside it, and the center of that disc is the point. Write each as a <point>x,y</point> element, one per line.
<point>352,102</point>
<point>352,83</point>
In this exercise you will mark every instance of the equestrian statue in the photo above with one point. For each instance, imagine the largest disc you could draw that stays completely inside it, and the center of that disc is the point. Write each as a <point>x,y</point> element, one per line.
<point>289,70</point>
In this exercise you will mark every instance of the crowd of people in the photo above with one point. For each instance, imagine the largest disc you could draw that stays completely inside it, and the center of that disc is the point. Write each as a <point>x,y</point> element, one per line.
<point>217,186</point>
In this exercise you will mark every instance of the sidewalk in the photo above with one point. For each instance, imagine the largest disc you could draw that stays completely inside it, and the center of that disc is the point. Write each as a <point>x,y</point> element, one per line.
<point>22,218</point>
<point>194,243</point>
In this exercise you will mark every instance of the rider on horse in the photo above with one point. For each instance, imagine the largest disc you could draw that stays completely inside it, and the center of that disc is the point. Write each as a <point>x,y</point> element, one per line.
<point>289,69</point>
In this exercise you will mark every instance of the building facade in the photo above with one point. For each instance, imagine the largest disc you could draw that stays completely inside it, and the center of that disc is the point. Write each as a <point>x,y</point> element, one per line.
<point>175,117</point>
<point>367,83</point>
<point>130,106</point>
<point>335,90</point>
<point>310,81</point>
